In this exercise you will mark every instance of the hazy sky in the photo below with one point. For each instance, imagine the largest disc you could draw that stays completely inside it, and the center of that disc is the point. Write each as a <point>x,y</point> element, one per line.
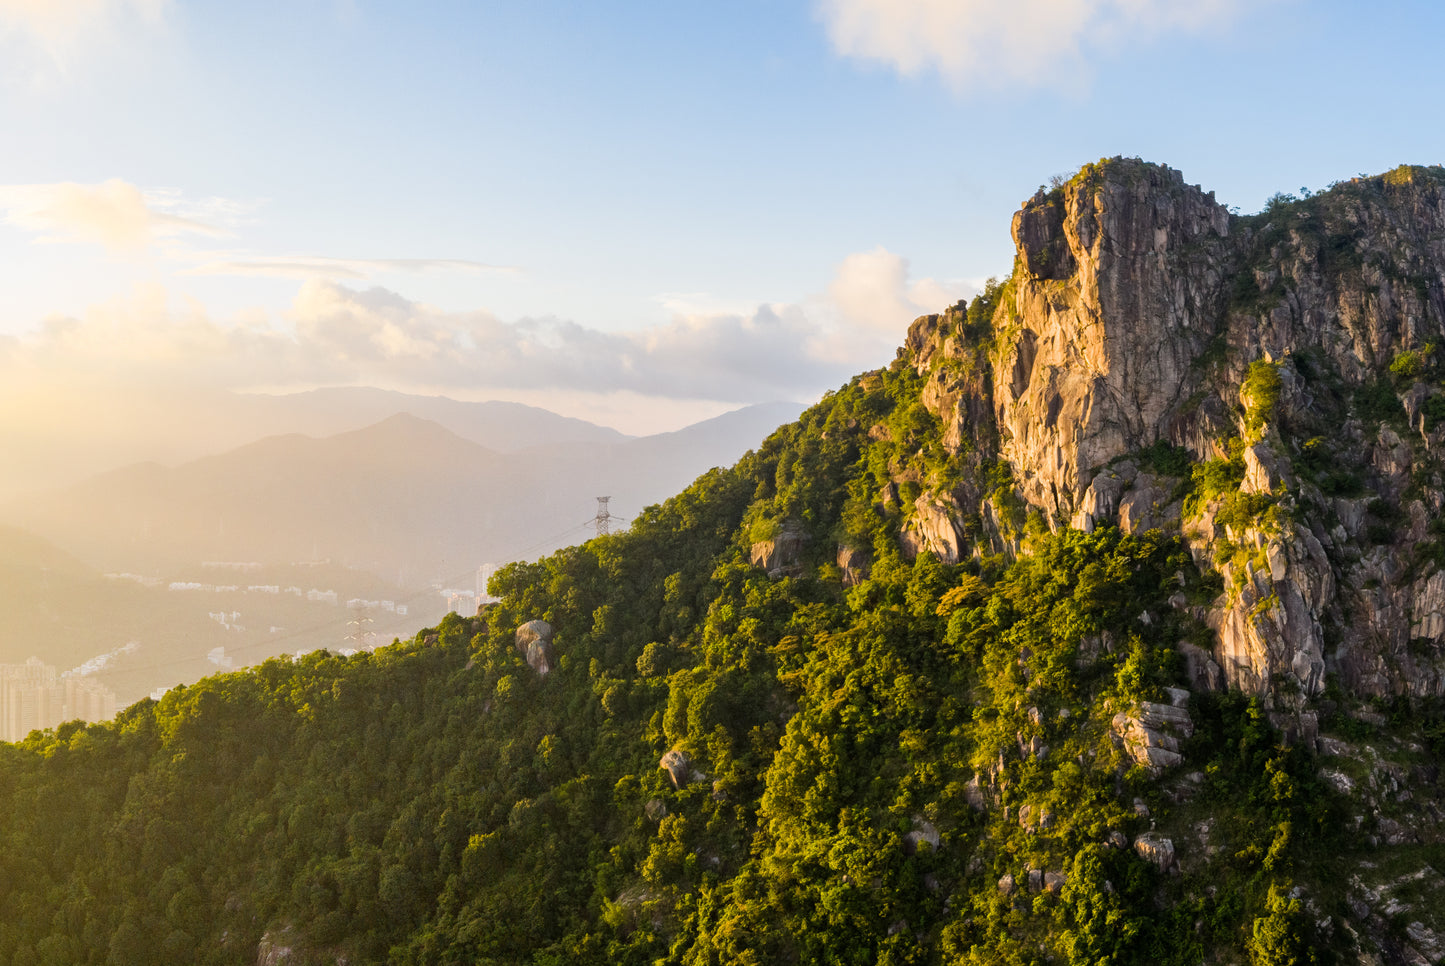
<point>641,213</point>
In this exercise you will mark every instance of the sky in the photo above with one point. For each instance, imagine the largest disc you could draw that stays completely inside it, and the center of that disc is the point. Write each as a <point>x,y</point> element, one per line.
<point>642,214</point>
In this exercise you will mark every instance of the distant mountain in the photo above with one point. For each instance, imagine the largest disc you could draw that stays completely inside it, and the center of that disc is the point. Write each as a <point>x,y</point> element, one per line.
<point>405,498</point>
<point>97,428</point>
<point>503,426</point>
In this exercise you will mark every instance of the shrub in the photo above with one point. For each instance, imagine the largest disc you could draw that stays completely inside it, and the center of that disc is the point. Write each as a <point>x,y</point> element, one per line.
<point>1260,393</point>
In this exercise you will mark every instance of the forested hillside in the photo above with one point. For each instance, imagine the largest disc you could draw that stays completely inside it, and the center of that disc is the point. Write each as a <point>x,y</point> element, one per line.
<point>883,692</point>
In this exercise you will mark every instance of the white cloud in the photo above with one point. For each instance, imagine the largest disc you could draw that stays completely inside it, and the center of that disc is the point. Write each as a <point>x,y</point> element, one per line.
<point>61,31</point>
<point>115,214</point>
<point>873,292</point>
<point>990,42</point>
<point>335,334</point>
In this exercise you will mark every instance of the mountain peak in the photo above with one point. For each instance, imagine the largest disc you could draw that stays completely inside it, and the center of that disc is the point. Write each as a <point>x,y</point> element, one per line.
<point>1151,346</point>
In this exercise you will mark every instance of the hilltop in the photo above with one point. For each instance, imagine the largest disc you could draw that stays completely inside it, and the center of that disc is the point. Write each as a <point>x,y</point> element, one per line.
<point>1103,626</point>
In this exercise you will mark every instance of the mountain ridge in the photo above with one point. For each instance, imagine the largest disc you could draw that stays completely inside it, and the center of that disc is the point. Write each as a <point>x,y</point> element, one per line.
<point>414,483</point>
<point>970,664</point>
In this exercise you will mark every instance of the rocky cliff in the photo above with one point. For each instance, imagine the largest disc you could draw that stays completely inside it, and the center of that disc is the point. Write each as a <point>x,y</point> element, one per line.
<point>1267,385</point>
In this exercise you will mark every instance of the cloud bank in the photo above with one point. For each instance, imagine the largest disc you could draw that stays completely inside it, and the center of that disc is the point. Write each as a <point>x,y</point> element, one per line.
<point>972,43</point>
<point>115,214</point>
<point>335,334</point>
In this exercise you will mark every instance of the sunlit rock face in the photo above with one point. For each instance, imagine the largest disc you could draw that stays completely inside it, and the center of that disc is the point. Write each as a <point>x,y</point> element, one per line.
<point>781,556</point>
<point>1137,306</point>
<point>534,641</point>
<point>1120,281</point>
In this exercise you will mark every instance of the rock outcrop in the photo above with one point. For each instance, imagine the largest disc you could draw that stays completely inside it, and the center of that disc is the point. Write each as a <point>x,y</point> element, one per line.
<point>923,831</point>
<point>1150,735</point>
<point>853,565</point>
<point>534,641</point>
<point>933,529</point>
<point>781,556</point>
<point>1146,332</point>
<point>679,767</point>
<point>1155,849</point>
<point>1119,286</point>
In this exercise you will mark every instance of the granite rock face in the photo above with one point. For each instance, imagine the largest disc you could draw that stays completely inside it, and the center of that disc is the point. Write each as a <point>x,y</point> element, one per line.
<point>1139,313</point>
<point>1155,849</point>
<point>534,641</point>
<point>1119,285</point>
<point>781,556</point>
<point>679,767</point>
<point>933,528</point>
<point>1151,734</point>
<point>853,565</point>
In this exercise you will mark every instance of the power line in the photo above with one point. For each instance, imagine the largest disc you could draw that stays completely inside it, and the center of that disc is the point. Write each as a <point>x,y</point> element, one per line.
<point>603,521</point>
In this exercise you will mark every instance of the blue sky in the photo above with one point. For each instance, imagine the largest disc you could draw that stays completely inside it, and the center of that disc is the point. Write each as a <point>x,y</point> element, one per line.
<point>639,213</point>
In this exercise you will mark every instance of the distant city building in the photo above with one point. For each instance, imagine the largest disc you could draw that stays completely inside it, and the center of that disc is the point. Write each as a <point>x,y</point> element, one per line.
<point>217,656</point>
<point>227,620</point>
<point>460,602</point>
<point>35,695</point>
<point>484,574</point>
<point>136,578</point>
<point>88,700</point>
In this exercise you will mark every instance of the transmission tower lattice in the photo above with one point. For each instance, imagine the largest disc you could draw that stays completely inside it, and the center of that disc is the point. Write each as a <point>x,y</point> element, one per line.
<point>360,633</point>
<point>603,520</point>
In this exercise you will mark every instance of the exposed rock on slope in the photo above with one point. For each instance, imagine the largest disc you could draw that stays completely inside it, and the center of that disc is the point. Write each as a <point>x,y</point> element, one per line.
<point>1271,385</point>
<point>1120,280</point>
<point>534,641</point>
<point>780,556</point>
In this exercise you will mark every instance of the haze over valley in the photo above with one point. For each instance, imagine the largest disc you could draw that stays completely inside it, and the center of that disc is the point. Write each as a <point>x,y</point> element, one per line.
<point>293,538</point>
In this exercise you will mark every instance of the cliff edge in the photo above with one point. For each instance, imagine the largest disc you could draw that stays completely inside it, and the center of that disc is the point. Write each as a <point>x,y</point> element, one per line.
<point>1268,385</point>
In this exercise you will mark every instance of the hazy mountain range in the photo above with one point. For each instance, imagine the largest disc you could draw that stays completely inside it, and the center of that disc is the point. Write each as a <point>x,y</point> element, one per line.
<point>396,509</point>
<point>91,429</point>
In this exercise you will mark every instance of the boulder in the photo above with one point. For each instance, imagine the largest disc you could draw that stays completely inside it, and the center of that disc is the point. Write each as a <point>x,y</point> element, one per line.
<point>923,831</point>
<point>1204,673</point>
<point>534,640</point>
<point>974,794</point>
<point>1149,504</point>
<point>1264,471</point>
<point>1150,735</point>
<point>781,556</point>
<point>1034,817</point>
<point>678,765</point>
<point>1006,884</point>
<point>854,565</point>
<point>1101,500</point>
<point>1155,849</point>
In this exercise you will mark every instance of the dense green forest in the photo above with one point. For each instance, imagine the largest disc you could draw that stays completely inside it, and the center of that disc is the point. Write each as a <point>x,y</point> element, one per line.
<point>895,761</point>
